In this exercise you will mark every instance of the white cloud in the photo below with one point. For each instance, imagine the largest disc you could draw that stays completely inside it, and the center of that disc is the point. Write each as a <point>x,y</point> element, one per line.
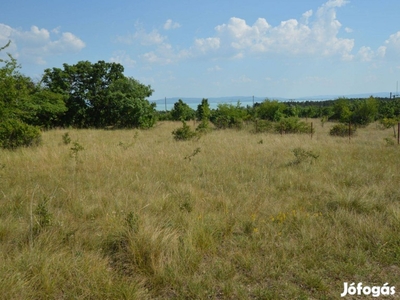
<point>38,43</point>
<point>216,68</point>
<point>169,24</point>
<point>123,58</point>
<point>365,54</point>
<point>312,35</point>
<point>241,79</point>
<point>205,45</point>
<point>145,38</point>
<point>392,46</point>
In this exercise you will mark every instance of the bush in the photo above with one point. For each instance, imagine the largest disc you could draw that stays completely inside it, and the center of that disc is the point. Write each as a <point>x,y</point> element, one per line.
<point>14,134</point>
<point>229,116</point>
<point>292,125</point>
<point>262,126</point>
<point>183,133</point>
<point>342,130</point>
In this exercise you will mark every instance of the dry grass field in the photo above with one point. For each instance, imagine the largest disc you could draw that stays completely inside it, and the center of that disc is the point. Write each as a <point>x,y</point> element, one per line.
<point>233,215</point>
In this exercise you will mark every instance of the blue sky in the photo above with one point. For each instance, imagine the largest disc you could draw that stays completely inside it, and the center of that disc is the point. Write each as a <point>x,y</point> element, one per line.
<point>215,48</point>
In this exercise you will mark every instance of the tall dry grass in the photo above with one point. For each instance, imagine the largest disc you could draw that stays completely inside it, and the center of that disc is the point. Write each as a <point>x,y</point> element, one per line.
<point>128,217</point>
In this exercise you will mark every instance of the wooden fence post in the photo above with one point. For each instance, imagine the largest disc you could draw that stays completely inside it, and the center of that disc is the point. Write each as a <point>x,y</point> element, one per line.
<point>311,129</point>
<point>398,133</point>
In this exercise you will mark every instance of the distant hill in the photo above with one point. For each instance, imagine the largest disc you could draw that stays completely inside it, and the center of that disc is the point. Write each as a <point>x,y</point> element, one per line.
<point>248,100</point>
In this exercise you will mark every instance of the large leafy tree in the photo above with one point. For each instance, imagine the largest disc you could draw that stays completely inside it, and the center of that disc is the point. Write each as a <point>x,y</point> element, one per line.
<point>127,107</point>
<point>98,94</point>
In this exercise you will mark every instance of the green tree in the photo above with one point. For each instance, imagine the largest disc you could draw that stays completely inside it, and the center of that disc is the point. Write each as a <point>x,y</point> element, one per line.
<point>15,90</point>
<point>365,112</point>
<point>97,95</point>
<point>127,104</point>
<point>341,110</point>
<point>203,110</point>
<point>182,111</point>
<point>271,110</point>
<point>229,116</point>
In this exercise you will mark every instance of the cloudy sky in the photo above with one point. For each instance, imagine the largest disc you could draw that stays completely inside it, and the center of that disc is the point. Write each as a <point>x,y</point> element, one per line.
<point>215,48</point>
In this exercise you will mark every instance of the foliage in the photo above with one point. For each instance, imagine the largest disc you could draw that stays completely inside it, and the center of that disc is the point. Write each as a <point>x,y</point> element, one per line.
<point>203,111</point>
<point>342,130</point>
<point>14,134</point>
<point>44,108</point>
<point>341,110</point>
<point>66,138</point>
<point>228,116</point>
<point>128,107</point>
<point>389,122</point>
<point>99,95</point>
<point>271,110</point>
<point>302,155</point>
<point>76,149</point>
<point>182,111</point>
<point>184,133</point>
<point>364,112</point>
<point>43,217</point>
<point>292,125</point>
<point>262,126</point>
<point>193,154</point>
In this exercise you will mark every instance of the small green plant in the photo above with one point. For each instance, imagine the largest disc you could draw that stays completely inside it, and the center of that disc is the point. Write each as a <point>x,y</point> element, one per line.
<point>389,141</point>
<point>186,205</point>
<point>183,133</point>
<point>261,142</point>
<point>76,149</point>
<point>342,130</point>
<point>132,222</point>
<point>204,126</point>
<point>125,146</point>
<point>194,153</point>
<point>324,119</point>
<point>66,138</point>
<point>42,216</point>
<point>302,155</point>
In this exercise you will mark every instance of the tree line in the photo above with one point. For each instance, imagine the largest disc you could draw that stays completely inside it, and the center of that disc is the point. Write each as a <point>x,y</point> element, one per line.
<point>99,95</point>
<point>83,95</point>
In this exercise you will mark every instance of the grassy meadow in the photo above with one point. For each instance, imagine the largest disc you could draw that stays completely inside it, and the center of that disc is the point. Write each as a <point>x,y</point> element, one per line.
<point>233,215</point>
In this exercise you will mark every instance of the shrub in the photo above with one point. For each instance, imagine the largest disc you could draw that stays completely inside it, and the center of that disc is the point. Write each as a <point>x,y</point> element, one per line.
<point>14,134</point>
<point>183,133</point>
<point>342,130</point>
<point>292,125</point>
<point>302,155</point>
<point>229,116</point>
<point>262,126</point>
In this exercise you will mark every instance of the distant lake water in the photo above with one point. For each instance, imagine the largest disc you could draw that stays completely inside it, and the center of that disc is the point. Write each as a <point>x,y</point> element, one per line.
<point>194,103</point>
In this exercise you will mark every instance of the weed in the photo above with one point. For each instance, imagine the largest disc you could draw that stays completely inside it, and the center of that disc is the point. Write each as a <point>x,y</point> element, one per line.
<point>132,221</point>
<point>76,149</point>
<point>389,141</point>
<point>66,138</point>
<point>125,146</point>
<point>194,153</point>
<point>302,155</point>
<point>183,133</point>
<point>43,217</point>
<point>342,130</point>
<point>186,205</point>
